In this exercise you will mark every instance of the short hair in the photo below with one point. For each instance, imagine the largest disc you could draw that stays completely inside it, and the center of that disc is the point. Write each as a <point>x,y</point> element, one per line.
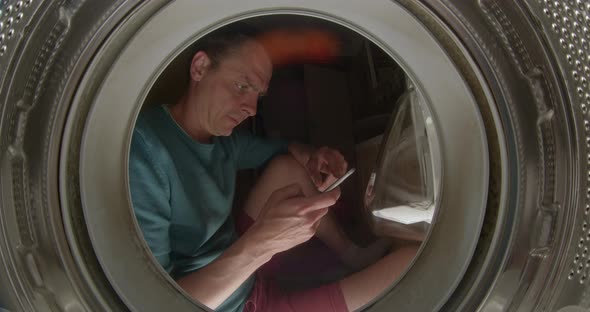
<point>225,41</point>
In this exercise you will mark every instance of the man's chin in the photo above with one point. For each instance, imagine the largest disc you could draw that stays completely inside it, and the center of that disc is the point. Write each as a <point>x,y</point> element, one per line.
<point>226,132</point>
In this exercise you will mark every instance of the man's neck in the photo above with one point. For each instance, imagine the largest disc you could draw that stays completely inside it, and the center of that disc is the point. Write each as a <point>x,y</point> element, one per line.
<point>187,119</point>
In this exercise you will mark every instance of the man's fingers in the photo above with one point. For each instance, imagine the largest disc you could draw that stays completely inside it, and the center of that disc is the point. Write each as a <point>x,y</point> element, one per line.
<point>325,167</point>
<point>343,165</point>
<point>337,163</point>
<point>313,167</point>
<point>287,192</point>
<point>332,161</point>
<point>337,169</point>
<point>319,201</point>
<point>327,161</point>
<point>316,216</point>
<point>327,182</point>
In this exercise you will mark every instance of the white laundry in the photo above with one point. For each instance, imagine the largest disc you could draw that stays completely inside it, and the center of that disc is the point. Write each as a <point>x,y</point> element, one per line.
<point>406,214</point>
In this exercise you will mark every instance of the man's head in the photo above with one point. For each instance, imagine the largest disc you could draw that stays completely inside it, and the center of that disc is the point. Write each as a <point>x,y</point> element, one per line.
<point>227,76</point>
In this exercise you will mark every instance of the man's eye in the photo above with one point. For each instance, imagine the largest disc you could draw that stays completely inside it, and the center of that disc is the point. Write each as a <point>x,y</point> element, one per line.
<point>242,87</point>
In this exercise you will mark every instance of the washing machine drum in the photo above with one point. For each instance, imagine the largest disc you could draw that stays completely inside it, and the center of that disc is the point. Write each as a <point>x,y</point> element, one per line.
<point>505,85</point>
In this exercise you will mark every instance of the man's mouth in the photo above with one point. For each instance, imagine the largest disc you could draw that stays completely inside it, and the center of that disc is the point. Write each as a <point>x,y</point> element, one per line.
<point>236,120</point>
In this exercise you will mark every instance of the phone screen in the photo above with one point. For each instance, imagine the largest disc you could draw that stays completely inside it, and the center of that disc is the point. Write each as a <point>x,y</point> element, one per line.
<point>339,181</point>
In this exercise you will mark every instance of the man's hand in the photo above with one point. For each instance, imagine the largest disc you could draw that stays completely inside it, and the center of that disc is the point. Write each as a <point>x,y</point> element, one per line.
<point>325,166</point>
<point>289,218</point>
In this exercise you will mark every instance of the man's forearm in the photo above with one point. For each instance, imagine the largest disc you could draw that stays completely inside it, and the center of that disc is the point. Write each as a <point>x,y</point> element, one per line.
<point>214,283</point>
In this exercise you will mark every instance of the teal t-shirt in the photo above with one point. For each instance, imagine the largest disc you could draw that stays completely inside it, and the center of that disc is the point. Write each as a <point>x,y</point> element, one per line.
<point>182,192</point>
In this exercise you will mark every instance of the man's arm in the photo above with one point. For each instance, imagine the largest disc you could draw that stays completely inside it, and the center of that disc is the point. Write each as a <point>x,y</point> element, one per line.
<point>287,220</point>
<point>215,282</point>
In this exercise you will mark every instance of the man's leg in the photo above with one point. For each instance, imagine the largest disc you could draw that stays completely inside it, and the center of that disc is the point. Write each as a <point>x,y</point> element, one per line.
<point>361,287</point>
<point>285,170</point>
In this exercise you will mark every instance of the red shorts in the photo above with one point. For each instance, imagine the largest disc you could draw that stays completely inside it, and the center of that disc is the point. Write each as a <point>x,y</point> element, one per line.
<point>267,296</point>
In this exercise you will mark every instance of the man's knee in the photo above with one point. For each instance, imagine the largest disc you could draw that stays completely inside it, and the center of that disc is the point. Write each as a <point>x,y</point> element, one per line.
<point>286,166</point>
<point>280,171</point>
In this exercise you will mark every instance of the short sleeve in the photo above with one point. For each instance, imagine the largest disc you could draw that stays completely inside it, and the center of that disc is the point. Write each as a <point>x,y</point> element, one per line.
<point>253,151</point>
<point>150,195</point>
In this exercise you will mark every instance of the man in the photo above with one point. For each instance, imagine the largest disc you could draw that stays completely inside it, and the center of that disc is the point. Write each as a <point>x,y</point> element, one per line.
<point>183,163</point>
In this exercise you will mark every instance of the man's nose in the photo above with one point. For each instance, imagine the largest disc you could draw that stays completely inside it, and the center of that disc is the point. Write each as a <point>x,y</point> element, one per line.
<point>249,106</point>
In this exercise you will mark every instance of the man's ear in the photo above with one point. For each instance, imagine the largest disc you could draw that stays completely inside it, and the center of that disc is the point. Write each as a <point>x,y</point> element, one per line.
<point>199,65</point>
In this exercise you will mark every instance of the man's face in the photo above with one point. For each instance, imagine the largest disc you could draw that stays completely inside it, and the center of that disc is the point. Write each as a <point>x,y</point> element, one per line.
<point>228,94</point>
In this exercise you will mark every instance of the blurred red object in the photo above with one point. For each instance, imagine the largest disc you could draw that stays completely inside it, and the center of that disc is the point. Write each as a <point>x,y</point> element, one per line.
<point>300,46</point>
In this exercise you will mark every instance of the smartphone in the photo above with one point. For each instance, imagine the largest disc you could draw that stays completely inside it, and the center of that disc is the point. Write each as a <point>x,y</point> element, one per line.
<point>339,181</point>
